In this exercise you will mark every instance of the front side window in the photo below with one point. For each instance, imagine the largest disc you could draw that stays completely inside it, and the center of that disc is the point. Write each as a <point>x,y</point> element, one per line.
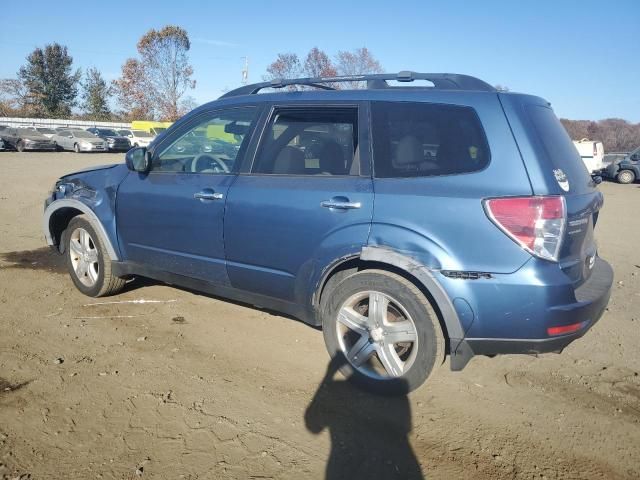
<point>211,146</point>
<point>424,139</point>
<point>310,141</point>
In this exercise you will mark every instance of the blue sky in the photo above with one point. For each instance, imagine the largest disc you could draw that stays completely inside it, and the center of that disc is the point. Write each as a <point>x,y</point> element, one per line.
<point>582,56</point>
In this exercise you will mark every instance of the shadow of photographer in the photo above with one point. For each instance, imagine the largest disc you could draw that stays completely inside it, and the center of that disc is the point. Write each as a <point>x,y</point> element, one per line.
<point>369,433</point>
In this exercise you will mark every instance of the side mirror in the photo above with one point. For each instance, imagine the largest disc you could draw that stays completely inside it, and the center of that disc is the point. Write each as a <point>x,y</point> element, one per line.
<point>138,160</point>
<point>69,136</point>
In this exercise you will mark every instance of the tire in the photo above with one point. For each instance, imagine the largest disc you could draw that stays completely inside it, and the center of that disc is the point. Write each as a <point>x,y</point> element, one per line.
<point>20,146</point>
<point>87,260</point>
<point>382,365</point>
<point>76,148</point>
<point>625,177</point>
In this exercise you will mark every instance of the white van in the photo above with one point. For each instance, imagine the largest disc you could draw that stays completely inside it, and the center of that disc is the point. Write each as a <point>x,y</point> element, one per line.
<point>592,154</point>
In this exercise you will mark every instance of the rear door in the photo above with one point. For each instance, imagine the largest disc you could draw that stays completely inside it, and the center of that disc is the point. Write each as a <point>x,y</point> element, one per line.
<point>306,200</point>
<point>555,168</point>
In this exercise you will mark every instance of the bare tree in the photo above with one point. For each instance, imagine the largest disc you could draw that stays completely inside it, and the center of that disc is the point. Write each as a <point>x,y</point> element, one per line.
<point>318,64</point>
<point>156,84</point>
<point>14,98</point>
<point>358,62</point>
<point>131,92</point>
<point>616,134</point>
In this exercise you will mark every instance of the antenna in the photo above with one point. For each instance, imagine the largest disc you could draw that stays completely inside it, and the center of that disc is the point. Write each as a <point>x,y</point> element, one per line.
<point>245,71</point>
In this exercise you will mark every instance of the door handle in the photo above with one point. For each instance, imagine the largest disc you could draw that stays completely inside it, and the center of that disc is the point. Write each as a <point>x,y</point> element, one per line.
<point>208,196</point>
<point>340,205</point>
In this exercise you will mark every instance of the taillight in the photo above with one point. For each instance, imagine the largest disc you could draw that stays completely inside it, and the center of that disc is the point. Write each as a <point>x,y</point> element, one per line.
<point>535,223</point>
<point>595,150</point>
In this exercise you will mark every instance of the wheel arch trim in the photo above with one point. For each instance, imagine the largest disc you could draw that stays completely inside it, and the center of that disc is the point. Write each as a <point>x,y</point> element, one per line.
<point>425,276</point>
<point>85,209</point>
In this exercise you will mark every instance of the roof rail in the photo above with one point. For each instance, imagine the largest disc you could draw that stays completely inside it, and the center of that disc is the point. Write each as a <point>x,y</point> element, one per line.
<point>441,81</point>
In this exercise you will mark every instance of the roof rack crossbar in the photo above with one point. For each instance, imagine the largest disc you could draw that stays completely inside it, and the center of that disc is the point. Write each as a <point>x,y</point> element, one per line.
<point>442,81</point>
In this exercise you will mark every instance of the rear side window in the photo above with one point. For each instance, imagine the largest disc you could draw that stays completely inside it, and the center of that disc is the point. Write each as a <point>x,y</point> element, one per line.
<point>425,139</point>
<point>311,141</point>
<point>556,143</point>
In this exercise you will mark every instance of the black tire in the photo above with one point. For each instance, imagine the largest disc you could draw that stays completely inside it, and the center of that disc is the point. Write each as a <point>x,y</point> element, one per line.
<point>429,352</point>
<point>106,283</point>
<point>20,146</point>
<point>625,177</point>
<point>76,148</point>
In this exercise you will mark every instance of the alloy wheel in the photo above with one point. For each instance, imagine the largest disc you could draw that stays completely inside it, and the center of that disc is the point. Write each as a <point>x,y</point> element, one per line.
<point>377,335</point>
<point>84,257</point>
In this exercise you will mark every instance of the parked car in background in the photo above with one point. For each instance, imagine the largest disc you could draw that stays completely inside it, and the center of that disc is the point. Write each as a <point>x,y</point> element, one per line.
<point>624,168</point>
<point>22,139</point>
<point>1,144</point>
<point>115,141</point>
<point>592,154</point>
<point>450,260</point>
<point>46,131</point>
<point>79,141</point>
<point>138,138</point>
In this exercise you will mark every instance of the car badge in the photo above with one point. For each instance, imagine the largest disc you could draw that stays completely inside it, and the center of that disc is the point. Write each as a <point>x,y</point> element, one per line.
<point>562,179</point>
<point>591,261</point>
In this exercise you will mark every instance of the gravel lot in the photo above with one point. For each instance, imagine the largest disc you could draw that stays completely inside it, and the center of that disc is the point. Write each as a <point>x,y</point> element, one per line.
<point>196,387</point>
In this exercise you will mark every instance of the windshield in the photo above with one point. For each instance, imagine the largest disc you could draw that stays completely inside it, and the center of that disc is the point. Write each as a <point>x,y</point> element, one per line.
<point>142,133</point>
<point>123,132</point>
<point>107,132</point>
<point>45,130</point>
<point>83,134</point>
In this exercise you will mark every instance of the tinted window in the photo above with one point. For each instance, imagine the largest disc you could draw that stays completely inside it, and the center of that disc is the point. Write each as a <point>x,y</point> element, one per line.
<point>423,139</point>
<point>310,141</point>
<point>556,143</point>
<point>211,146</point>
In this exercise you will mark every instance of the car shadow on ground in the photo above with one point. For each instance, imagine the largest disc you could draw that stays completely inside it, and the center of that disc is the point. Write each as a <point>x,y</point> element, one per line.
<point>44,258</point>
<point>369,433</point>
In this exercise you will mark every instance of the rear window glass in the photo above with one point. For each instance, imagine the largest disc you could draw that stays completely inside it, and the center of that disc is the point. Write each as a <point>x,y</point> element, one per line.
<point>557,145</point>
<point>424,139</point>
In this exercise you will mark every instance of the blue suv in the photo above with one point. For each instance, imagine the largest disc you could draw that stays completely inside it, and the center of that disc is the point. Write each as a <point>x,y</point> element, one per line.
<point>410,222</point>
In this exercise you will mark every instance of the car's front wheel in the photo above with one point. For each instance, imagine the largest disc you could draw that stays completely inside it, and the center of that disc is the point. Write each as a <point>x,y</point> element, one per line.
<point>625,176</point>
<point>384,329</point>
<point>20,146</point>
<point>87,260</point>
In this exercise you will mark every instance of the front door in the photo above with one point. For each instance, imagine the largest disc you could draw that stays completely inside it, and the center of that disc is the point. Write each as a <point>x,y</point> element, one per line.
<point>171,219</point>
<point>307,200</point>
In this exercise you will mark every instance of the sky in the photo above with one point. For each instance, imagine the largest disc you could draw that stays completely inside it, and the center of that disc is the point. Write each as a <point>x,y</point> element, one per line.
<point>582,56</point>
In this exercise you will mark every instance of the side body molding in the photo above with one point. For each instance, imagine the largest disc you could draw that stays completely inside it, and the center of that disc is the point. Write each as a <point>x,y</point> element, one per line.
<point>77,205</point>
<point>459,355</point>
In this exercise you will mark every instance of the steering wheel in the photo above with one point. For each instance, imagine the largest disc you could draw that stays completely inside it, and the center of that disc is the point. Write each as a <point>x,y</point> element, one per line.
<point>219,164</point>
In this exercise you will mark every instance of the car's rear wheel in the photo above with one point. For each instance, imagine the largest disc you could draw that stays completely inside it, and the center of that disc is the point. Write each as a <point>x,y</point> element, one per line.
<point>385,330</point>
<point>87,260</point>
<point>625,176</point>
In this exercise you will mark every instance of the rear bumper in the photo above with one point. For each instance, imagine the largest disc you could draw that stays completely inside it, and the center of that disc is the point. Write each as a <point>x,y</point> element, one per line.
<point>591,299</point>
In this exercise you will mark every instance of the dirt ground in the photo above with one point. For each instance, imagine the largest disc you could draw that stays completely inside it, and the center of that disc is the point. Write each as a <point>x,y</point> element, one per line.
<point>184,385</point>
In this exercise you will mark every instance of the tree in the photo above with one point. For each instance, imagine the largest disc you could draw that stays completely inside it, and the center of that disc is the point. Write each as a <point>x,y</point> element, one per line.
<point>131,93</point>
<point>95,96</point>
<point>358,62</point>
<point>155,84</point>
<point>287,65</point>
<point>14,98</point>
<point>50,83</point>
<point>318,64</point>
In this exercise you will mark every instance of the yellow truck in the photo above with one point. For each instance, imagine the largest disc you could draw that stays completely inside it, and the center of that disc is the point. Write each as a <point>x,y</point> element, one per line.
<point>154,128</point>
